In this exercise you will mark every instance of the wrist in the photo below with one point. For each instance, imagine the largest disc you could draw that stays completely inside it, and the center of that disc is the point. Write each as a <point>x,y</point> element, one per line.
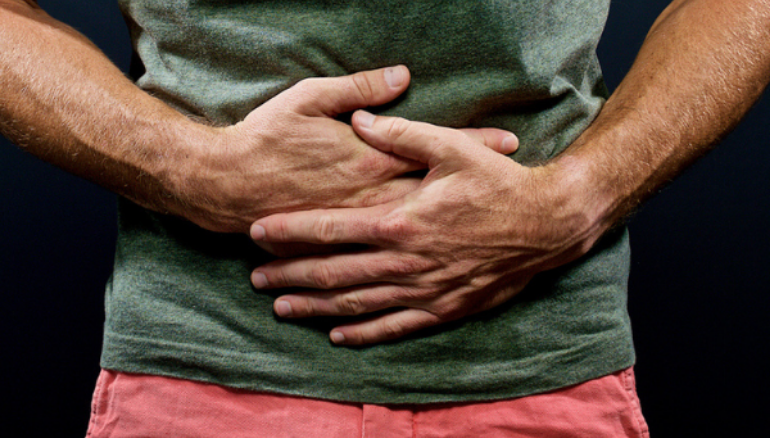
<point>210,176</point>
<point>587,208</point>
<point>180,150</point>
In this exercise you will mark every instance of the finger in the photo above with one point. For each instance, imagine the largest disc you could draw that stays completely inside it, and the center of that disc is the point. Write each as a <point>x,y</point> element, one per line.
<point>496,139</point>
<point>341,302</point>
<point>334,96</point>
<point>340,270</point>
<point>423,142</point>
<point>332,226</point>
<point>384,328</point>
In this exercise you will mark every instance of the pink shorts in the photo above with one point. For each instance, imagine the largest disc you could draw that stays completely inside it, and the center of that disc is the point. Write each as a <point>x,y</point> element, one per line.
<point>131,405</point>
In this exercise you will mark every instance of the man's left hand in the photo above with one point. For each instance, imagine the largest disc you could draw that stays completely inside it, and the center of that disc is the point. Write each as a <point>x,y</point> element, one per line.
<point>474,233</point>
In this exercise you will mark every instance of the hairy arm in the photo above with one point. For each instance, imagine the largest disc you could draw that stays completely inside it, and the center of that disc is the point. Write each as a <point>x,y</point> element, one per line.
<point>702,66</point>
<point>62,100</point>
<point>480,227</point>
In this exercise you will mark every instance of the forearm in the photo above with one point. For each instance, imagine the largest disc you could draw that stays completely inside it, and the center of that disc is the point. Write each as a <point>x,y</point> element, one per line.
<point>62,100</point>
<point>480,226</point>
<point>702,66</point>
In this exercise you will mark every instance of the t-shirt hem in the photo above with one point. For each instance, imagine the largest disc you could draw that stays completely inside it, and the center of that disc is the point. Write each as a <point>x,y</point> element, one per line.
<point>257,372</point>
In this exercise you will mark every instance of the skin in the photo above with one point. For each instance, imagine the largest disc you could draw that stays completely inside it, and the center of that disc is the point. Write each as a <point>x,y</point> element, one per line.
<point>84,116</point>
<point>65,102</point>
<point>479,226</point>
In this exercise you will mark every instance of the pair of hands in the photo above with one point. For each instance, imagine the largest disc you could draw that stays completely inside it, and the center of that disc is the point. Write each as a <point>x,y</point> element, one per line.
<point>467,237</point>
<point>292,154</point>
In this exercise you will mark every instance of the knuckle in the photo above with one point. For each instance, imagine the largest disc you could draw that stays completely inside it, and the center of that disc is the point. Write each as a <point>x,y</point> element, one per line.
<point>392,329</point>
<point>363,86</point>
<point>307,307</point>
<point>395,229</point>
<point>398,127</point>
<point>325,229</point>
<point>281,230</point>
<point>409,266</point>
<point>322,276</point>
<point>350,304</point>
<point>305,93</point>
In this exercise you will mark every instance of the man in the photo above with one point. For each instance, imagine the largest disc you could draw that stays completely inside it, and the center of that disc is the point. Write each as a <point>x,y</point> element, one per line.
<point>426,305</point>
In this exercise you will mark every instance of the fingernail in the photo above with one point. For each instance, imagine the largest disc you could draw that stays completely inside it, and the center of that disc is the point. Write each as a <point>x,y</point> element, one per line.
<point>365,120</point>
<point>337,337</point>
<point>283,308</point>
<point>395,76</point>
<point>257,232</point>
<point>509,144</point>
<point>259,280</point>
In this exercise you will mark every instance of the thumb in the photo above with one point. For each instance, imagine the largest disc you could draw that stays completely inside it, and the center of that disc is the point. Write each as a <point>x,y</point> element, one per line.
<point>333,96</point>
<point>498,140</point>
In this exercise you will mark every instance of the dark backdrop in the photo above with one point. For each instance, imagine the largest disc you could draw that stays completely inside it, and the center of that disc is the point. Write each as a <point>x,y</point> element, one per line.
<point>698,288</point>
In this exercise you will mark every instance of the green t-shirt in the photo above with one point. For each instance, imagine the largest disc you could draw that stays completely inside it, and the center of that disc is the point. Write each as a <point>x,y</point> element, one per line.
<point>179,302</point>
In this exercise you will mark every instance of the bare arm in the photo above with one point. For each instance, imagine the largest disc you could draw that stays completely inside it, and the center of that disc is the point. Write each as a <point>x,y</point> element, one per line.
<point>64,101</point>
<point>480,227</point>
<point>702,66</point>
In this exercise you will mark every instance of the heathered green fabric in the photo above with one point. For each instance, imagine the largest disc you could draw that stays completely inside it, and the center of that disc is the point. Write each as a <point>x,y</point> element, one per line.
<point>180,303</point>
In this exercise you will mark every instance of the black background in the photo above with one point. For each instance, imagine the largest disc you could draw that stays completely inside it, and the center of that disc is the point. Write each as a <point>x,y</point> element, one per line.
<point>698,287</point>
